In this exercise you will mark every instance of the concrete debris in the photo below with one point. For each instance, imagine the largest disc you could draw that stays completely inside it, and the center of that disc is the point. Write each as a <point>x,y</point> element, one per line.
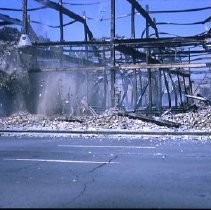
<point>192,121</point>
<point>200,120</point>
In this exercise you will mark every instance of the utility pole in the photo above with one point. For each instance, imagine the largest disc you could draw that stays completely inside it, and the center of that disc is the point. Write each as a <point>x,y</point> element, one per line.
<point>25,16</point>
<point>61,23</point>
<point>132,21</point>
<point>112,53</point>
<point>24,40</point>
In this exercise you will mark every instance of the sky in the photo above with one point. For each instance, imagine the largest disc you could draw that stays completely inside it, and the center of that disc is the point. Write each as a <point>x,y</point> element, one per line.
<point>98,14</point>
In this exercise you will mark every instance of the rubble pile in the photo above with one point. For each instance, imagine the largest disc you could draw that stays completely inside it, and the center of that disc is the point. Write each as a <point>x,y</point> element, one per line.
<point>20,119</point>
<point>25,120</point>
<point>117,122</point>
<point>200,120</point>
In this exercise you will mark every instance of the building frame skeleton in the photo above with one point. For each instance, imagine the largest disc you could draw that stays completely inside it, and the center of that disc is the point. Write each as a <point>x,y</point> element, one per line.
<point>137,74</point>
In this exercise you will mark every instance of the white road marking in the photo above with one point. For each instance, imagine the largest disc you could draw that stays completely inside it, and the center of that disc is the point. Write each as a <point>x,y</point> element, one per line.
<point>60,161</point>
<point>104,146</point>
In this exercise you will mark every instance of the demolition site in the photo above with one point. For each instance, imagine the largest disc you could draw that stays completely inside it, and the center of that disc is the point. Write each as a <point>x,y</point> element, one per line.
<point>149,81</point>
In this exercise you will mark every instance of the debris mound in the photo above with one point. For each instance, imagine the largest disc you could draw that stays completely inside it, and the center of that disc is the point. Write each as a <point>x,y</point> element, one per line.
<point>198,120</point>
<point>110,119</point>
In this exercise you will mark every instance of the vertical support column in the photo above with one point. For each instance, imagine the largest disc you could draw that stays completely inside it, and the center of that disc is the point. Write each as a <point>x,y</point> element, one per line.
<point>147,24</point>
<point>85,34</point>
<point>159,83</point>
<point>190,83</point>
<point>180,90</point>
<point>167,87</point>
<point>159,92</point>
<point>112,53</point>
<point>25,17</point>
<point>134,89</point>
<point>185,88</point>
<point>150,89</point>
<point>135,71</point>
<point>61,33</point>
<point>141,86</point>
<point>147,61</point>
<point>86,54</point>
<point>105,81</point>
<point>61,23</point>
<point>132,21</point>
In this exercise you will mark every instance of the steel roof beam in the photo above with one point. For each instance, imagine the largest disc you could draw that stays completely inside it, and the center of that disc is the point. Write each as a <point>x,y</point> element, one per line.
<point>67,12</point>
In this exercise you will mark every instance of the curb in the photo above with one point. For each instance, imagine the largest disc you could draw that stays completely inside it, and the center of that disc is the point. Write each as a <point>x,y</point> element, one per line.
<point>108,132</point>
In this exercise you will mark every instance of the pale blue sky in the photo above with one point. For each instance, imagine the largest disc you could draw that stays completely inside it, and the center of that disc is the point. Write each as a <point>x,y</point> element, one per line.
<point>102,10</point>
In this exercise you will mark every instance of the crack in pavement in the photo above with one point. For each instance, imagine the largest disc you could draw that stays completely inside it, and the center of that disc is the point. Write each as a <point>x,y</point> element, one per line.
<point>85,185</point>
<point>81,193</point>
<point>103,164</point>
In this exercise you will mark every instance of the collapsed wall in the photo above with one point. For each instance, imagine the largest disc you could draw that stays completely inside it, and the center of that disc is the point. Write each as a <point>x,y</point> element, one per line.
<point>14,80</point>
<point>27,86</point>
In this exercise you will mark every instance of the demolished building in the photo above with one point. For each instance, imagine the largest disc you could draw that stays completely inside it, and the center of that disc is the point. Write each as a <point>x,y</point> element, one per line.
<point>74,78</point>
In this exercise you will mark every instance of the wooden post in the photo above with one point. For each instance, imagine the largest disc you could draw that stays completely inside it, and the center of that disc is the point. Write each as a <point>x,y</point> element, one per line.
<point>141,85</point>
<point>167,88</point>
<point>105,82</point>
<point>174,89</point>
<point>85,34</point>
<point>112,53</point>
<point>180,90</point>
<point>86,55</point>
<point>159,92</point>
<point>134,88</point>
<point>190,83</point>
<point>185,88</point>
<point>159,84</point>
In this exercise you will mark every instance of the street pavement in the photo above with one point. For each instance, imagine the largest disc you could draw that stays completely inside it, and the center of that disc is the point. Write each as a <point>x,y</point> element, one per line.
<point>42,172</point>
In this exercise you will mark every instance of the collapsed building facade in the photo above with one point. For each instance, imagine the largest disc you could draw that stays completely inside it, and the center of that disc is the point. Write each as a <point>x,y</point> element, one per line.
<point>72,78</point>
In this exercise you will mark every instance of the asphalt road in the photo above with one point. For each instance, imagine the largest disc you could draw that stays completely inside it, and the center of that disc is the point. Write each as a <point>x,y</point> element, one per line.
<point>104,173</point>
